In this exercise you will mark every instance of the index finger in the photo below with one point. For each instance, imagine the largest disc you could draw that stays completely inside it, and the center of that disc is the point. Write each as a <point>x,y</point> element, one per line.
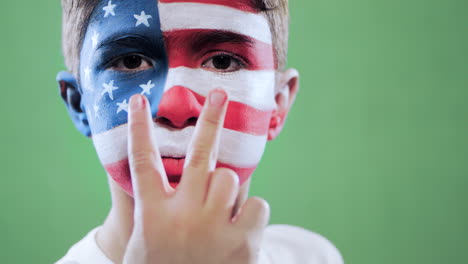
<point>149,180</point>
<point>203,149</point>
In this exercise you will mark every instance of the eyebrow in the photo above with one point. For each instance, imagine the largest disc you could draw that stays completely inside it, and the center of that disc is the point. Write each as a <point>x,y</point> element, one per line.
<point>202,38</point>
<point>129,41</point>
<point>153,47</point>
<point>218,37</point>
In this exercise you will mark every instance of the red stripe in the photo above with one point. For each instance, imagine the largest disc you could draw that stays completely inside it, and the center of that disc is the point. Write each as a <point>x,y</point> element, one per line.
<point>243,5</point>
<point>120,172</point>
<point>184,49</point>
<point>179,104</point>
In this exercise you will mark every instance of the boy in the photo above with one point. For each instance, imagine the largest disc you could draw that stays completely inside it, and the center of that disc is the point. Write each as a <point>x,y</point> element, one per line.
<point>180,98</point>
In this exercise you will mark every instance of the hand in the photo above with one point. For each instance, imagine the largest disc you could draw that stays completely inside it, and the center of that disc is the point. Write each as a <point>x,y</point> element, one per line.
<point>195,223</point>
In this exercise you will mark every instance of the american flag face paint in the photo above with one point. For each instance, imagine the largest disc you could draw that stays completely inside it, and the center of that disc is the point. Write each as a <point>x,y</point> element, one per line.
<point>175,52</point>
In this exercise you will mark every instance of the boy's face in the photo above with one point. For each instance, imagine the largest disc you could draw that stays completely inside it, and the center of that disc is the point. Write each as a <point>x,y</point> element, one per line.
<point>174,53</point>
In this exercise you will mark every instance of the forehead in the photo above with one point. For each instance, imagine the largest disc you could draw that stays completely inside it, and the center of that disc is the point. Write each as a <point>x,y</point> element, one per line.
<point>156,18</point>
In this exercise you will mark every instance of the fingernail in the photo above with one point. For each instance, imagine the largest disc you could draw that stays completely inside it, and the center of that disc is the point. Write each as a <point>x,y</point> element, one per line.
<point>217,98</point>
<point>137,102</point>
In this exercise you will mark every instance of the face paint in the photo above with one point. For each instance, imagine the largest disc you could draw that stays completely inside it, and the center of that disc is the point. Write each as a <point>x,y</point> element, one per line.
<point>188,48</point>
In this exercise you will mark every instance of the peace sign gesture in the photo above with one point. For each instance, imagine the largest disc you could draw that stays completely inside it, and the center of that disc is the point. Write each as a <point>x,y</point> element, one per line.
<point>193,224</point>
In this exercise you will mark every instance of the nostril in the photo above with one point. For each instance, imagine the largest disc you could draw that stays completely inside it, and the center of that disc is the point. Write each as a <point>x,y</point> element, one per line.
<point>191,121</point>
<point>167,122</point>
<point>163,121</point>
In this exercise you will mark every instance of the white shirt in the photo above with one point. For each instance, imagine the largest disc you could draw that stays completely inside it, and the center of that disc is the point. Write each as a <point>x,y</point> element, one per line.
<point>282,244</point>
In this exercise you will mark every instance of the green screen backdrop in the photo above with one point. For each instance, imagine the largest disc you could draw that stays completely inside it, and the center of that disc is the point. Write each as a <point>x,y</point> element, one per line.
<point>373,156</point>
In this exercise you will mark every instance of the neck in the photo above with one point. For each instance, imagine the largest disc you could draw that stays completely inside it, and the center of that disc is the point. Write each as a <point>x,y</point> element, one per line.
<point>113,236</point>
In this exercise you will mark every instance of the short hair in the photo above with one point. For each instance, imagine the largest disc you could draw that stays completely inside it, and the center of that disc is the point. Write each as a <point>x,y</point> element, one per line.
<point>76,15</point>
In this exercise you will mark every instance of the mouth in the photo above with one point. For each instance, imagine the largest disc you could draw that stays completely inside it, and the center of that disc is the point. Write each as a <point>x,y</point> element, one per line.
<point>174,167</point>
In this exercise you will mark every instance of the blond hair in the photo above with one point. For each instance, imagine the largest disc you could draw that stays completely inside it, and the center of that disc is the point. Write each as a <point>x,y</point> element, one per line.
<point>76,15</point>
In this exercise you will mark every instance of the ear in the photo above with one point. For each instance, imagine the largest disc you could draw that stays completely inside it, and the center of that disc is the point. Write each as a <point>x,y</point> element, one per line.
<point>71,95</point>
<point>287,86</point>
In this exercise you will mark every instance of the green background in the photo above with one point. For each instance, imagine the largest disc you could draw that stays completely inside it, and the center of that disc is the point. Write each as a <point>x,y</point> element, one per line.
<point>374,154</point>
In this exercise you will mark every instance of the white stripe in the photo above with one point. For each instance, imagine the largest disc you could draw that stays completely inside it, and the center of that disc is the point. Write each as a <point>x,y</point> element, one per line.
<point>237,149</point>
<point>253,88</point>
<point>202,16</point>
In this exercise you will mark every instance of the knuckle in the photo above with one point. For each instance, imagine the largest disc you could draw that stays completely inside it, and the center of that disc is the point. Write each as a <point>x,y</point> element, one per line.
<point>227,176</point>
<point>260,207</point>
<point>137,125</point>
<point>199,157</point>
<point>140,160</point>
<point>212,122</point>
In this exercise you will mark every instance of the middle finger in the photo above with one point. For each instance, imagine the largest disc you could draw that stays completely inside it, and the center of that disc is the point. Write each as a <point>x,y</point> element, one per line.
<point>203,148</point>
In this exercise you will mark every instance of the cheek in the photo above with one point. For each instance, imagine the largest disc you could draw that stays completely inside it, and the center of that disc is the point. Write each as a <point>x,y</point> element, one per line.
<point>106,98</point>
<point>247,121</point>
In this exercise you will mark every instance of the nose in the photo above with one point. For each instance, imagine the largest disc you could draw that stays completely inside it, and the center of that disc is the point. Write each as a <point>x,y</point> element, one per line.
<point>179,107</point>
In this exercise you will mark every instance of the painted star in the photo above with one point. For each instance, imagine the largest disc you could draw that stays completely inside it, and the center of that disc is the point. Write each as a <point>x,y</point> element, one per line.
<point>94,39</point>
<point>87,72</point>
<point>109,9</point>
<point>108,88</point>
<point>96,109</point>
<point>147,87</point>
<point>122,106</point>
<point>142,19</point>
<point>88,114</point>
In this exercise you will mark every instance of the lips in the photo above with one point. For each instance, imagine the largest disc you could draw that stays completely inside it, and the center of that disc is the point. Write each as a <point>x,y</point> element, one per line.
<point>120,172</point>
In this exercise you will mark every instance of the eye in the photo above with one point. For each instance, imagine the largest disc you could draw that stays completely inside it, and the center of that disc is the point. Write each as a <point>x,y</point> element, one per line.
<point>131,63</point>
<point>223,63</point>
